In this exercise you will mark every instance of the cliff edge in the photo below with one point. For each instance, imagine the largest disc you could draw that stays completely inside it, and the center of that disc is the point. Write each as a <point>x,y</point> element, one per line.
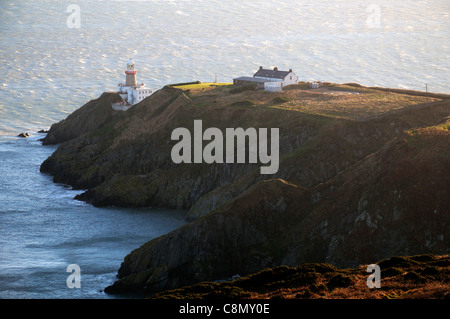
<point>363,175</point>
<point>87,118</point>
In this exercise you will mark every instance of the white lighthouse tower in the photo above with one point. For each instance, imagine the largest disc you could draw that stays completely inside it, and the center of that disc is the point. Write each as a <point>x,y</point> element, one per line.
<point>131,92</point>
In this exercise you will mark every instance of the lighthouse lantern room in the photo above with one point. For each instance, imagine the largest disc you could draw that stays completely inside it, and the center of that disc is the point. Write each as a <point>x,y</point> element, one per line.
<point>131,92</point>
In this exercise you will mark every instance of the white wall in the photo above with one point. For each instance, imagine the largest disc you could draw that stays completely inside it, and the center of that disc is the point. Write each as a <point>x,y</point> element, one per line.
<point>273,86</point>
<point>132,97</point>
<point>137,95</point>
<point>268,79</point>
<point>291,78</point>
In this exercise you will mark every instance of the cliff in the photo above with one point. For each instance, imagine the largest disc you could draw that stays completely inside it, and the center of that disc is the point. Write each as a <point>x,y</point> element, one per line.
<point>87,118</point>
<point>363,175</point>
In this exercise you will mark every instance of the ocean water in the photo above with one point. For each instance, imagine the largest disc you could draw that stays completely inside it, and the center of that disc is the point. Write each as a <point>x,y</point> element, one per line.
<point>43,230</point>
<point>57,55</point>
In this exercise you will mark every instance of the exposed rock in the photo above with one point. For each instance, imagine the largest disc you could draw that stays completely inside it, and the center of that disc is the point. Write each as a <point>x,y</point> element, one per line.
<point>127,161</point>
<point>247,231</point>
<point>87,118</point>
<point>347,192</point>
<point>275,223</point>
<point>23,135</point>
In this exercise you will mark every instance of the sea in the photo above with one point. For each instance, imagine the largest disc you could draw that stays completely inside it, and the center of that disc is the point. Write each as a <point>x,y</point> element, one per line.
<point>57,55</point>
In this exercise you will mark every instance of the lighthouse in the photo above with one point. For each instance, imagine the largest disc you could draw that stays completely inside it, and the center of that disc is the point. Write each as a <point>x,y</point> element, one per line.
<point>131,92</point>
<point>130,74</point>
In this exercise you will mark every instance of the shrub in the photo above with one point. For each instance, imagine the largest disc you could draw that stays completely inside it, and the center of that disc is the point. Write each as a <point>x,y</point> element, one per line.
<point>401,262</point>
<point>300,279</point>
<point>305,294</point>
<point>242,88</point>
<point>431,271</point>
<point>414,277</point>
<point>266,277</point>
<point>340,280</point>
<point>243,103</point>
<point>390,272</point>
<point>229,292</point>
<point>280,100</point>
<point>320,268</point>
<point>423,258</point>
<point>441,262</point>
<point>318,288</point>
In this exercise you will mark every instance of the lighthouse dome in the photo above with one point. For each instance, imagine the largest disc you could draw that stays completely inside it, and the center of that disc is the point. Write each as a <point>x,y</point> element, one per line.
<point>130,64</point>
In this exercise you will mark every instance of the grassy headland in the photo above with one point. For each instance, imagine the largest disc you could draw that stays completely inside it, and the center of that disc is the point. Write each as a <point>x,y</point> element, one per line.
<point>331,100</point>
<point>364,175</point>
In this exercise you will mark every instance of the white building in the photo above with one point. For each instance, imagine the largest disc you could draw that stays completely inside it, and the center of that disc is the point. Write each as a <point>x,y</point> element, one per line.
<point>131,92</point>
<point>271,80</point>
<point>273,86</point>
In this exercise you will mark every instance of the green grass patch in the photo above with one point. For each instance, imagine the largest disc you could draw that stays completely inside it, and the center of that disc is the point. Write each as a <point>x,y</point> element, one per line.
<point>280,100</point>
<point>184,83</point>
<point>445,126</point>
<point>198,85</point>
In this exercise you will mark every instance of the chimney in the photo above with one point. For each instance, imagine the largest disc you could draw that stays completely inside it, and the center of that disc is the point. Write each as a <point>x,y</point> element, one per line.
<point>275,68</point>
<point>290,70</point>
<point>260,67</point>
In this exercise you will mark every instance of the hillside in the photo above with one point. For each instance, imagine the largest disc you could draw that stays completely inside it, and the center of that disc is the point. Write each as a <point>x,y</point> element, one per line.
<point>364,175</point>
<point>407,277</point>
<point>87,118</point>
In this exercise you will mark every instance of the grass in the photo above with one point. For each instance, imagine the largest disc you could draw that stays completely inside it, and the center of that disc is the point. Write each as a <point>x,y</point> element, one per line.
<point>280,100</point>
<point>200,86</point>
<point>330,100</point>
<point>242,88</point>
<point>421,276</point>
<point>420,138</point>
<point>343,102</point>
<point>244,103</point>
<point>443,126</point>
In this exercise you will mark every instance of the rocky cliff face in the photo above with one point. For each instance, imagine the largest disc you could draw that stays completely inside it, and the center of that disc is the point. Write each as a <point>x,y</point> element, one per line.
<point>127,162</point>
<point>347,192</point>
<point>394,202</point>
<point>87,118</point>
<point>237,238</point>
